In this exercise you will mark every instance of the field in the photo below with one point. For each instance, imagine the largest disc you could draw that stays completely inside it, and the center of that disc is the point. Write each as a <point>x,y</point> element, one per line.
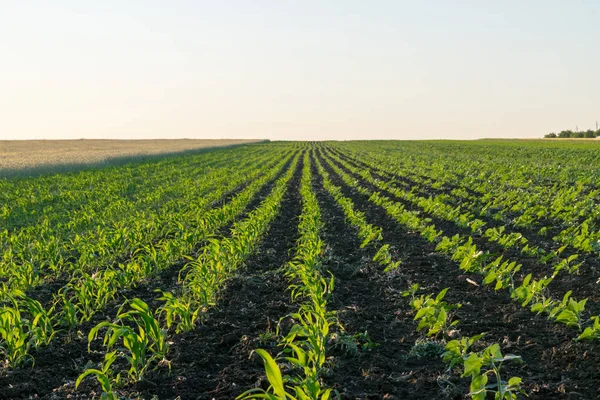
<point>19,156</point>
<point>364,270</point>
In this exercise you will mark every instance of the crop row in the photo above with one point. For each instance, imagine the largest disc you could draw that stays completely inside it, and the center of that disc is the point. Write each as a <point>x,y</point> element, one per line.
<point>32,256</point>
<point>563,208</point>
<point>498,271</point>
<point>435,317</point>
<point>27,324</point>
<point>147,343</point>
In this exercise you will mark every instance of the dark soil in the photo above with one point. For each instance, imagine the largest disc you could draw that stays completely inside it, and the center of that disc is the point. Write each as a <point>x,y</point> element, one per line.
<point>363,305</point>
<point>555,366</point>
<point>214,360</point>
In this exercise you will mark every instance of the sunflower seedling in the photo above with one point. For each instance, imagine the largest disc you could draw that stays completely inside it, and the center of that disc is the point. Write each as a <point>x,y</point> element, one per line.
<point>489,362</point>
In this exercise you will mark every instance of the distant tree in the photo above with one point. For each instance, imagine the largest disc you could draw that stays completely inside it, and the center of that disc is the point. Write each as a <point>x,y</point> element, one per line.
<point>565,134</point>
<point>578,135</point>
<point>598,133</point>
<point>550,135</point>
<point>589,134</point>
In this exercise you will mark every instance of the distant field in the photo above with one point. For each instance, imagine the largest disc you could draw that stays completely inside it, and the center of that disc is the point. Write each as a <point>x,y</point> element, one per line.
<point>28,154</point>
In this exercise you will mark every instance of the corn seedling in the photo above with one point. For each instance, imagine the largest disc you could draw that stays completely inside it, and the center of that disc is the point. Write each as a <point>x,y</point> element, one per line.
<point>24,323</point>
<point>14,333</point>
<point>104,377</point>
<point>179,311</point>
<point>143,344</point>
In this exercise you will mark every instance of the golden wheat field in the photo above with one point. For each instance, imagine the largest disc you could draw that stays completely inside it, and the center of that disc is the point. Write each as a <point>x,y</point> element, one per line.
<point>17,155</point>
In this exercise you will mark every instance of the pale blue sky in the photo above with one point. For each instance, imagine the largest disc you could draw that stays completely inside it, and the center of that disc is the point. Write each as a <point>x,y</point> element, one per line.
<point>297,69</point>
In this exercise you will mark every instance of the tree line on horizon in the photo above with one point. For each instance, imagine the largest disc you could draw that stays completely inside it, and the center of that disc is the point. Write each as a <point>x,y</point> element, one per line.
<point>566,134</point>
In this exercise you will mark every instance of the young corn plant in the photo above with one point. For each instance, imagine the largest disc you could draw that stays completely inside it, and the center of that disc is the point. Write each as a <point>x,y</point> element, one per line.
<point>307,339</point>
<point>68,316</point>
<point>14,333</point>
<point>305,343</point>
<point>88,295</point>
<point>304,349</point>
<point>24,323</point>
<point>104,376</point>
<point>140,314</point>
<point>41,324</point>
<point>178,311</point>
<point>134,344</point>
<point>143,344</point>
<point>279,387</point>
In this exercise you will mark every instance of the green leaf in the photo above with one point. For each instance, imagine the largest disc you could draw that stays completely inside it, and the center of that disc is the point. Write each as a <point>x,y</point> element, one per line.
<point>423,312</point>
<point>514,381</point>
<point>490,277</point>
<point>587,334</point>
<point>499,285</point>
<point>472,365</point>
<point>567,317</point>
<point>494,351</point>
<point>273,373</point>
<point>511,357</point>
<point>537,308</point>
<point>478,390</point>
<point>85,374</point>
<point>441,295</point>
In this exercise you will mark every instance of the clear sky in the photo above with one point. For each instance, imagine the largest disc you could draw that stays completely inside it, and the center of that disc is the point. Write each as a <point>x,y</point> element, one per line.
<point>278,69</point>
